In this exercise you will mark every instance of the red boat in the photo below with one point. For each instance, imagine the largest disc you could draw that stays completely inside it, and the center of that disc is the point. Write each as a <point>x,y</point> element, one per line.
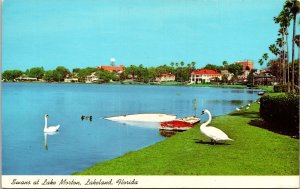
<point>179,124</point>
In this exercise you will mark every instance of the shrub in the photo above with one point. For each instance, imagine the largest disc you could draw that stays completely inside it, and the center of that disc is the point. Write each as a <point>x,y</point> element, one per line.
<point>280,88</point>
<point>281,112</point>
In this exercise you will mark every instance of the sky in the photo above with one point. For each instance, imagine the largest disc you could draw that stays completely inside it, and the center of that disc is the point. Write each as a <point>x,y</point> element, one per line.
<point>82,33</point>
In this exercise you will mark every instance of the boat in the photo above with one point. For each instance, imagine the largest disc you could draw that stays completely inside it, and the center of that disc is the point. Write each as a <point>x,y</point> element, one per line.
<point>261,93</point>
<point>181,124</point>
<point>144,117</point>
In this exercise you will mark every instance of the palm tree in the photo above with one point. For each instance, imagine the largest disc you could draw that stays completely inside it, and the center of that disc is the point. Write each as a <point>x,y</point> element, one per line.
<point>172,64</point>
<point>275,50</point>
<point>284,18</point>
<point>193,64</point>
<point>294,7</point>
<point>181,63</point>
<point>261,62</point>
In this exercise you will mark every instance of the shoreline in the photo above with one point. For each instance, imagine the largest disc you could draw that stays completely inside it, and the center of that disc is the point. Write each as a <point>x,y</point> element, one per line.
<point>189,153</point>
<point>148,84</point>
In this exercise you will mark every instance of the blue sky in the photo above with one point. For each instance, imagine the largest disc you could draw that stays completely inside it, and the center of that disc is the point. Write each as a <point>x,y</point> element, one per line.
<point>81,33</point>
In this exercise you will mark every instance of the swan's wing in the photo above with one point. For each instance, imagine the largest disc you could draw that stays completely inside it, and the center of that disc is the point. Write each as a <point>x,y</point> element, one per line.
<point>215,133</point>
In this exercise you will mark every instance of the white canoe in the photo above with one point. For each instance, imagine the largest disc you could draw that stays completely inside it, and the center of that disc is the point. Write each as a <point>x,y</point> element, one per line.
<point>147,117</point>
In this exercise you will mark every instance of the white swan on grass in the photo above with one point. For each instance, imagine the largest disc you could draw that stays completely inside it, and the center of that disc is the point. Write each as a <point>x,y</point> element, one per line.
<point>49,129</point>
<point>213,133</point>
<point>237,109</point>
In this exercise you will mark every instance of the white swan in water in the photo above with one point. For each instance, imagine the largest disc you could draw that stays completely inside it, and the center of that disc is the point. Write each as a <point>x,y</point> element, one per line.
<point>213,133</point>
<point>51,128</point>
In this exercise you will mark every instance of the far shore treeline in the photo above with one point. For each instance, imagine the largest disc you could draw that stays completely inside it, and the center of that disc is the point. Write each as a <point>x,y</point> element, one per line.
<point>181,70</point>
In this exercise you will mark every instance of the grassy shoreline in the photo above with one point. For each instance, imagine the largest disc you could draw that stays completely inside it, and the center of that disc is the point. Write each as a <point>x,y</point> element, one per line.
<point>255,151</point>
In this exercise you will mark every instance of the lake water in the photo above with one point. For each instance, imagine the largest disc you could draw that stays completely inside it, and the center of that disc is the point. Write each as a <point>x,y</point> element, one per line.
<point>80,144</point>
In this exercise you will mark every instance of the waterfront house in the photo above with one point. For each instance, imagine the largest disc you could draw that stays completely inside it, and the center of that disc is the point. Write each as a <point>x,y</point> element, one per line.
<point>25,78</point>
<point>115,69</point>
<point>205,76</point>
<point>71,80</point>
<point>91,78</point>
<point>165,77</point>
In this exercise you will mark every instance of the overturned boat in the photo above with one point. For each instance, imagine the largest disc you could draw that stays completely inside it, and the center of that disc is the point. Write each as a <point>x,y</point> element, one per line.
<point>144,117</point>
<point>181,124</point>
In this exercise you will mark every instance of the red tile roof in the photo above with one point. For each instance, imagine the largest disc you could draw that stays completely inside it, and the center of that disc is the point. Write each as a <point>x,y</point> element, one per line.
<point>113,68</point>
<point>205,72</point>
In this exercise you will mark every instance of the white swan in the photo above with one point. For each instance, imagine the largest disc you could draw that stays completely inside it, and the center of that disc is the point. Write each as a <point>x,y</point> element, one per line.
<point>237,109</point>
<point>213,133</point>
<point>51,128</point>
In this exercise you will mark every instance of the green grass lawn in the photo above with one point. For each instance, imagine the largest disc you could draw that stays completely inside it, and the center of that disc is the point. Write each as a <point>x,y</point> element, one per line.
<point>254,151</point>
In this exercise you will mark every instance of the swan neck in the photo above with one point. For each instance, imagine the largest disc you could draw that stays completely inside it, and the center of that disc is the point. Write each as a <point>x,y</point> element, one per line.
<point>46,120</point>
<point>208,121</point>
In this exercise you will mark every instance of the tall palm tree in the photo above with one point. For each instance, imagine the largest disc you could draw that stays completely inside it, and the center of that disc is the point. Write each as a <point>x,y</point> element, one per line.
<point>294,6</point>
<point>193,64</point>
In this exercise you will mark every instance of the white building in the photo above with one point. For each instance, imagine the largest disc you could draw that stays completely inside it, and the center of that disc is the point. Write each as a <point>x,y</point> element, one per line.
<point>91,78</point>
<point>205,76</point>
<point>166,77</point>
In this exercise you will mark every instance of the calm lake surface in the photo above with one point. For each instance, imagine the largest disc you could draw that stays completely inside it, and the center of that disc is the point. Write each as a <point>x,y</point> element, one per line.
<point>80,144</point>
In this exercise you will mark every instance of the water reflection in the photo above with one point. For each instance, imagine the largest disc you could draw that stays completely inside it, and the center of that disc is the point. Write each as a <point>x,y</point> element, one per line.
<point>45,138</point>
<point>167,133</point>
<point>141,124</point>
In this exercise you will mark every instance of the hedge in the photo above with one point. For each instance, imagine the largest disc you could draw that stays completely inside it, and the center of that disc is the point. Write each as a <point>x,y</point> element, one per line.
<point>280,88</point>
<point>281,112</point>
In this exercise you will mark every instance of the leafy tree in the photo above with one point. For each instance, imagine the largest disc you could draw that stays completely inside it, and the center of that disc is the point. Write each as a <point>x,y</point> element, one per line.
<point>83,73</point>
<point>10,75</point>
<point>36,72</point>
<point>48,75</point>
<point>213,67</point>
<point>106,76</point>
<point>275,67</point>
<point>236,69</point>
<point>61,73</point>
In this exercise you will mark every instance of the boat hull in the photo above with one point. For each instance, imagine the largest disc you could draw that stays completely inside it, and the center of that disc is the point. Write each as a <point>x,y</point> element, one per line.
<point>147,117</point>
<point>179,124</point>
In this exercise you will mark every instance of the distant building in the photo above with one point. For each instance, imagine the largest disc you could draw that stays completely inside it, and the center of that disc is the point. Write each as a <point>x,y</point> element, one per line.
<point>165,77</point>
<point>25,78</point>
<point>247,64</point>
<point>71,80</point>
<point>91,78</point>
<point>263,77</point>
<point>205,76</point>
<point>116,69</point>
<point>227,74</point>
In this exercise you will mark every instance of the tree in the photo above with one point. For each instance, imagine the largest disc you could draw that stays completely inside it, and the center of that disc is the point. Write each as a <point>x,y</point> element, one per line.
<point>61,72</point>
<point>106,76</point>
<point>181,63</point>
<point>225,64</point>
<point>276,69</point>
<point>213,67</point>
<point>193,64</point>
<point>172,64</point>
<point>11,75</point>
<point>294,6</point>
<point>36,72</point>
<point>261,62</point>
<point>48,75</point>
<point>236,69</point>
